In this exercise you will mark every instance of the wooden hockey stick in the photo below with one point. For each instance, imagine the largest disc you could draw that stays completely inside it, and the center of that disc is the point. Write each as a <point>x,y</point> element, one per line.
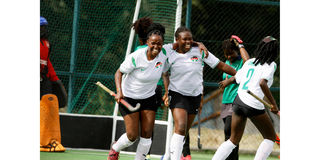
<point>212,116</point>
<point>125,103</point>
<point>262,101</point>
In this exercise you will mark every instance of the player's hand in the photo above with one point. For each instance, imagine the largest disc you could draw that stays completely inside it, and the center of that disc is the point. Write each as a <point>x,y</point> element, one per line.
<point>237,41</point>
<point>274,108</point>
<point>165,99</point>
<point>203,49</point>
<point>118,97</point>
<point>223,84</point>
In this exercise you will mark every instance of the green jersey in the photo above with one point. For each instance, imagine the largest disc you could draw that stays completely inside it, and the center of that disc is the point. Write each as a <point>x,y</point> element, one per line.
<point>230,92</point>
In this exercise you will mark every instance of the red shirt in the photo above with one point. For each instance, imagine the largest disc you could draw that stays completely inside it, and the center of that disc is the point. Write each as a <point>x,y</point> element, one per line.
<point>45,61</point>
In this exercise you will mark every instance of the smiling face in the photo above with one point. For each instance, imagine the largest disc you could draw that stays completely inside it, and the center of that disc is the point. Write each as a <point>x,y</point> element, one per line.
<point>185,41</point>
<point>154,43</point>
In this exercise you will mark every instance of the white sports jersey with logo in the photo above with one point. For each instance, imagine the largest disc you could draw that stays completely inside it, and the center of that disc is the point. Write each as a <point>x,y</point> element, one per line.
<point>141,75</point>
<point>249,77</point>
<point>186,74</point>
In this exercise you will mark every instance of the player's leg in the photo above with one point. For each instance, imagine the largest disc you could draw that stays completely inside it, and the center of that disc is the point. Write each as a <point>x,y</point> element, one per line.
<point>237,129</point>
<point>132,131</point>
<point>227,133</point>
<point>131,120</point>
<point>180,117</point>
<point>147,124</point>
<point>264,125</point>
<point>186,147</point>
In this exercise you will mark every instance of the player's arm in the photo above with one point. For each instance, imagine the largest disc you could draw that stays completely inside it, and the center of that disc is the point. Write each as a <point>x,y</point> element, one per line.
<point>226,68</point>
<point>267,93</point>
<point>166,81</point>
<point>118,79</point>
<point>239,43</point>
<point>223,84</point>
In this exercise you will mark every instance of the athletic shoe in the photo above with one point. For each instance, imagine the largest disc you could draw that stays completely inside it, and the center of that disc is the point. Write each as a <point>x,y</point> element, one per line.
<point>188,157</point>
<point>113,155</point>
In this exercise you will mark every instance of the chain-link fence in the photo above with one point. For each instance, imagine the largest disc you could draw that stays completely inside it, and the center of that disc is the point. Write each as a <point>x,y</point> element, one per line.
<point>89,40</point>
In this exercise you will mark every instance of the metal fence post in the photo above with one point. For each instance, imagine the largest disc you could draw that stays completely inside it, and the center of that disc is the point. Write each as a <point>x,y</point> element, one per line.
<point>188,15</point>
<point>73,52</point>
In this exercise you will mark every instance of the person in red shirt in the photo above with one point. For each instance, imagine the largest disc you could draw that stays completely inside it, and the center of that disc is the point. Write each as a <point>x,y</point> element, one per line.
<point>49,81</point>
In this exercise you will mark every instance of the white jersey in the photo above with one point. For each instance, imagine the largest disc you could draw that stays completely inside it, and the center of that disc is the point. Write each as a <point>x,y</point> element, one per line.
<point>141,75</point>
<point>186,74</point>
<point>249,77</point>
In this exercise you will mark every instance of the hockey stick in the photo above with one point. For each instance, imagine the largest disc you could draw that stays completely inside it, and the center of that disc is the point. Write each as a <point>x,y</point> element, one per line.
<point>199,133</point>
<point>125,103</point>
<point>212,116</point>
<point>262,101</point>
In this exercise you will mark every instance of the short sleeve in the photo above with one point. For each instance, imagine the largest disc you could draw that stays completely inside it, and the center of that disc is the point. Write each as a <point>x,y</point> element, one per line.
<point>166,66</point>
<point>167,49</point>
<point>268,71</point>
<point>211,60</point>
<point>128,64</point>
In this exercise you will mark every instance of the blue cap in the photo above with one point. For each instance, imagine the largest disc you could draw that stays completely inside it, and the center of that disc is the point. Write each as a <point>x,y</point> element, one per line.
<point>43,21</point>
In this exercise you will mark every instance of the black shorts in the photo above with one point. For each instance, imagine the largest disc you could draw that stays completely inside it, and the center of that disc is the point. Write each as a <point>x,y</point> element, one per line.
<point>189,103</point>
<point>242,109</point>
<point>159,95</point>
<point>146,104</point>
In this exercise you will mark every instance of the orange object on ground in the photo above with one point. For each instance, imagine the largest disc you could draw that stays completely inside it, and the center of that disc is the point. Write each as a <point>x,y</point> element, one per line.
<point>50,136</point>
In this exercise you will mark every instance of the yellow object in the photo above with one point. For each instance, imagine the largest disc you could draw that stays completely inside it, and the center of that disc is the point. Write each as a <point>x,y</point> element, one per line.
<point>50,136</point>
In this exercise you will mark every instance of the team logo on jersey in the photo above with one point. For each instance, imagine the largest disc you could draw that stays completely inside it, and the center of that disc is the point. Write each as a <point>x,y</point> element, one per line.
<point>158,64</point>
<point>194,59</point>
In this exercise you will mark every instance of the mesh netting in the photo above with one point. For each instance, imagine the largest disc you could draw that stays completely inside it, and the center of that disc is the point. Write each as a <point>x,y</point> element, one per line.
<point>101,37</point>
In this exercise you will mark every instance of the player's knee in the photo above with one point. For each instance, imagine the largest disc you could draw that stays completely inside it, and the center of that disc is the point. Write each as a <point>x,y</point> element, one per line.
<point>146,133</point>
<point>132,136</point>
<point>181,128</point>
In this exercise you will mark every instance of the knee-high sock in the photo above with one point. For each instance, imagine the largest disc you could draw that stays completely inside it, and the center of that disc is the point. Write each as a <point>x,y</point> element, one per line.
<point>176,146</point>
<point>122,143</point>
<point>143,148</point>
<point>224,150</point>
<point>264,150</point>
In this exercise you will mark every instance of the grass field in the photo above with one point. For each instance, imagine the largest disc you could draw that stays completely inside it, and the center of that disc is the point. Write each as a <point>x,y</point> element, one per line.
<point>71,154</point>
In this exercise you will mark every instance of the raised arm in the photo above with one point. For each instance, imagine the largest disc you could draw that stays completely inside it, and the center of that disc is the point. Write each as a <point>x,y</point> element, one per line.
<point>267,93</point>
<point>239,43</point>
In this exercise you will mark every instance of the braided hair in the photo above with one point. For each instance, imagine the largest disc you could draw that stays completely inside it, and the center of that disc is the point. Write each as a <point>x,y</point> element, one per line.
<point>181,29</point>
<point>156,28</point>
<point>140,27</point>
<point>267,51</point>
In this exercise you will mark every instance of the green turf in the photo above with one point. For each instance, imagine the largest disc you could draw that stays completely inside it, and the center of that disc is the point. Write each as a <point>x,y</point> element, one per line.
<point>100,155</point>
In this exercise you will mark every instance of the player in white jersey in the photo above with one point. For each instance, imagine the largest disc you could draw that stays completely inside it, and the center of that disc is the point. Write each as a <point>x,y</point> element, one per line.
<point>141,29</point>
<point>184,85</point>
<point>256,75</point>
<point>136,81</point>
